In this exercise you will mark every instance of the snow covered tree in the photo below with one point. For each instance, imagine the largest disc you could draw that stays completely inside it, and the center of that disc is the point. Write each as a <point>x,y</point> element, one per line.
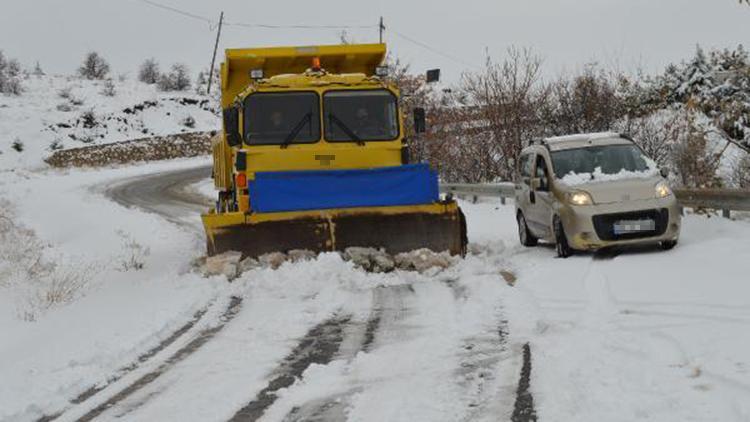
<point>94,66</point>
<point>149,72</point>
<point>10,80</point>
<point>178,79</point>
<point>201,83</point>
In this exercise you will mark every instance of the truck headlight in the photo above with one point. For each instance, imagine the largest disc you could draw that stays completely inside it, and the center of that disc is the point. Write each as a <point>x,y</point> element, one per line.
<point>662,190</point>
<point>580,198</point>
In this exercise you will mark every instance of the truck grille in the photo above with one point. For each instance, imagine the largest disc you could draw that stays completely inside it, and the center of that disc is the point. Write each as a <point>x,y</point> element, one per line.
<point>604,224</point>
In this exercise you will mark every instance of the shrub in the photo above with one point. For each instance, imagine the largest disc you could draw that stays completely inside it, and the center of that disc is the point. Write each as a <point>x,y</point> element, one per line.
<point>188,121</point>
<point>88,119</point>
<point>65,93</point>
<point>17,145</point>
<point>135,253</point>
<point>109,88</point>
<point>56,145</point>
<point>65,107</point>
<point>40,283</point>
<point>94,66</point>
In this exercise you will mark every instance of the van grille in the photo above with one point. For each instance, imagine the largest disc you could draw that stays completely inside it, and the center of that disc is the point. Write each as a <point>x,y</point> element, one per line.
<point>604,224</point>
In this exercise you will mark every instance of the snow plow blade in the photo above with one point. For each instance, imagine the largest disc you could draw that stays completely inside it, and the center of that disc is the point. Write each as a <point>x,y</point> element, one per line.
<point>439,227</point>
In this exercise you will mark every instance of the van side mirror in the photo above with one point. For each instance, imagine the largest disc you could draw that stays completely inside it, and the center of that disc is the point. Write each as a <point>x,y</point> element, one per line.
<point>232,126</point>
<point>664,172</point>
<point>433,75</point>
<point>420,121</point>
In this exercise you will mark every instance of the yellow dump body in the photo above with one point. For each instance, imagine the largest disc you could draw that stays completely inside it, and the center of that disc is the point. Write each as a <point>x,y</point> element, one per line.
<point>335,59</point>
<point>320,70</point>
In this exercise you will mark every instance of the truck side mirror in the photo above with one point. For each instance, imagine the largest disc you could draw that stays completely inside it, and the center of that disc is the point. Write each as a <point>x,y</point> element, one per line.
<point>420,122</point>
<point>232,126</point>
<point>433,75</point>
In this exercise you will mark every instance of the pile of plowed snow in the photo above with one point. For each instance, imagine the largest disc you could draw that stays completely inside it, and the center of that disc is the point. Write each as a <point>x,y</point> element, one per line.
<point>231,264</point>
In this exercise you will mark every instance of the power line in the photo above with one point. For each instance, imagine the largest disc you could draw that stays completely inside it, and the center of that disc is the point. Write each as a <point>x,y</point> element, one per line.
<point>213,23</point>
<point>178,11</point>
<point>434,50</point>
<point>271,26</point>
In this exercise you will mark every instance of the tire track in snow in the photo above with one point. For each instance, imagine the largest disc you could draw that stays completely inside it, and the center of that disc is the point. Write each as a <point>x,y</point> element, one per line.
<point>477,372</point>
<point>523,410</point>
<point>388,308</point>
<point>119,374</point>
<point>184,352</point>
<point>318,346</point>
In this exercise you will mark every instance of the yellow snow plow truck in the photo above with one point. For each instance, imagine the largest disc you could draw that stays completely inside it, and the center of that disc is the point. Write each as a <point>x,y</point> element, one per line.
<point>313,156</point>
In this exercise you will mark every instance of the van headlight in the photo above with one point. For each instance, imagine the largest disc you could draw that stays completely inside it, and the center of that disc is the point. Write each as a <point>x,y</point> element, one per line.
<point>663,190</point>
<point>580,198</point>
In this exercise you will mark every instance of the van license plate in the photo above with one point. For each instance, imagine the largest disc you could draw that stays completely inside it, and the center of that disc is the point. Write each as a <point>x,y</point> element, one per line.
<point>634,226</point>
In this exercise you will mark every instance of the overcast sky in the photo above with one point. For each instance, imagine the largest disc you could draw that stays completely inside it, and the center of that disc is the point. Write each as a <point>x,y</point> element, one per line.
<point>568,33</point>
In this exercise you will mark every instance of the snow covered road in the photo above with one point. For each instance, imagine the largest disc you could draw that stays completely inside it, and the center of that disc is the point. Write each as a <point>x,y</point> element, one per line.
<point>641,335</point>
<point>165,193</point>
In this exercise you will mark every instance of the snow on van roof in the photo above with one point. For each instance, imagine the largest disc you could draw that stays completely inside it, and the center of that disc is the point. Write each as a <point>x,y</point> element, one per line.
<point>583,137</point>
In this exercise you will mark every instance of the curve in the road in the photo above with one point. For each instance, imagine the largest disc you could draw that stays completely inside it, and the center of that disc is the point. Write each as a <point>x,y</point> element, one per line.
<point>165,193</point>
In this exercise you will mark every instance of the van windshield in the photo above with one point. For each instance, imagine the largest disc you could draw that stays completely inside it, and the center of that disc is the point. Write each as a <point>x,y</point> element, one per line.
<point>360,116</point>
<point>605,160</point>
<point>281,118</point>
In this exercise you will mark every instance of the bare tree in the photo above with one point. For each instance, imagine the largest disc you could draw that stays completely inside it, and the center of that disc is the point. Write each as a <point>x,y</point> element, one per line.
<point>504,100</point>
<point>741,173</point>
<point>94,66</point>
<point>149,71</point>
<point>586,102</point>
<point>178,79</point>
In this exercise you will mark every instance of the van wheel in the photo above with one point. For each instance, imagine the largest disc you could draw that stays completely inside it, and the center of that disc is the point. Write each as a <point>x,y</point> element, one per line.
<point>561,242</point>
<point>667,244</point>
<point>524,235</point>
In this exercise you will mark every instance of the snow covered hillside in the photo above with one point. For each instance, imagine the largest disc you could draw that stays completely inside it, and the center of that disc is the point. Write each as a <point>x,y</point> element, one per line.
<point>58,112</point>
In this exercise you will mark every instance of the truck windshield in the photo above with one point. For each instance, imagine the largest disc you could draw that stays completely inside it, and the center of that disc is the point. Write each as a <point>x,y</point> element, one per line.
<point>605,159</point>
<point>278,118</point>
<point>360,116</point>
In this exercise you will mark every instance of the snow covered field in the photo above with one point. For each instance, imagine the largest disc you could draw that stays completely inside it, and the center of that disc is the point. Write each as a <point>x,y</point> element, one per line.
<point>643,335</point>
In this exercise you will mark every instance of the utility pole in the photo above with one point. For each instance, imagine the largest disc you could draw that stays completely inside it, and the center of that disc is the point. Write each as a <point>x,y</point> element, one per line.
<point>213,59</point>
<point>381,28</point>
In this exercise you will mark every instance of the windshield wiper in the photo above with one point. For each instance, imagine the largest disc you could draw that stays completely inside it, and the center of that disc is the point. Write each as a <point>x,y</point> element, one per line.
<point>350,133</point>
<point>293,134</point>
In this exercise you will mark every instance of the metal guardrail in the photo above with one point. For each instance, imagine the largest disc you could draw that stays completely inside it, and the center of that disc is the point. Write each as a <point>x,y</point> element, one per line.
<point>493,190</point>
<point>726,200</point>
